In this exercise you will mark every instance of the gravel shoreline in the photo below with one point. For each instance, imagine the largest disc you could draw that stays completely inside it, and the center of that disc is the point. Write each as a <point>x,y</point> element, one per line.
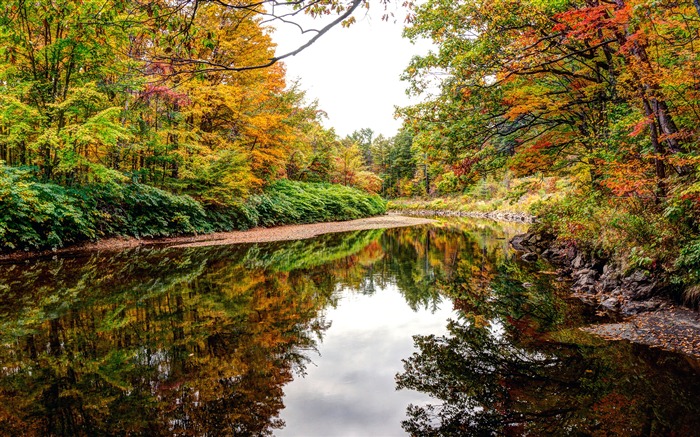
<point>303,232</point>
<point>257,235</point>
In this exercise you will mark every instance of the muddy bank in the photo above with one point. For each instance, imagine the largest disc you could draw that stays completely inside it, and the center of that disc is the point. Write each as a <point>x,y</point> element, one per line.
<point>639,298</point>
<point>258,235</point>
<point>516,217</point>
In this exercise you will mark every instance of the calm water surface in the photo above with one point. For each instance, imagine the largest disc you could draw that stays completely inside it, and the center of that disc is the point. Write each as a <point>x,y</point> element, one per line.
<point>431,330</point>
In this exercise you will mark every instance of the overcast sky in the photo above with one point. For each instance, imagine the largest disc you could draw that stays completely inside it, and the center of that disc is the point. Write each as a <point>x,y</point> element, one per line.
<point>354,72</point>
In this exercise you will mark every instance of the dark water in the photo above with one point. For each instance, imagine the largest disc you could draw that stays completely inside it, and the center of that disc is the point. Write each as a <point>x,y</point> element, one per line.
<point>433,330</point>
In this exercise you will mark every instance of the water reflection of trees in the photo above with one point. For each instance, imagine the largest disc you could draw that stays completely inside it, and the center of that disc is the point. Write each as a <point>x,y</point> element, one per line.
<point>164,341</point>
<point>514,364</point>
<point>156,342</point>
<point>202,341</point>
<point>424,262</point>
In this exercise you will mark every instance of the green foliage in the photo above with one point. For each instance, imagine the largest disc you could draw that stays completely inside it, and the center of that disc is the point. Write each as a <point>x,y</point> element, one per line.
<point>448,183</point>
<point>36,215</point>
<point>400,162</point>
<point>306,254</point>
<point>490,194</point>
<point>143,211</point>
<point>286,202</point>
<point>688,264</point>
<point>627,230</point>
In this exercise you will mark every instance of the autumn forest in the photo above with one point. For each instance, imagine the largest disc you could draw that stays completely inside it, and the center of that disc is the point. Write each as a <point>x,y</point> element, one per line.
<point>133,120</point>
<point>151,118</point>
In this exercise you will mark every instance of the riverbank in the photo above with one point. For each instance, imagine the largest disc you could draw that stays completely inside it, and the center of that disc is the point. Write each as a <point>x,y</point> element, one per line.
<point>648,314</point>
<point>490,197</point>
<point>257,235</point>
<point>504,216</point>
<point>38,216</point>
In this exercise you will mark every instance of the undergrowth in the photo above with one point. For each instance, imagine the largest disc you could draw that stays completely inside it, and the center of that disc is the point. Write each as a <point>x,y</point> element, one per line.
<point>491,194</point>
<point>660,237</point>
<point>36,215</point>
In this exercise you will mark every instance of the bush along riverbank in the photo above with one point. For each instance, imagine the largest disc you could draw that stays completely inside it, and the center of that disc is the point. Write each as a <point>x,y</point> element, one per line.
<point>38,216</point>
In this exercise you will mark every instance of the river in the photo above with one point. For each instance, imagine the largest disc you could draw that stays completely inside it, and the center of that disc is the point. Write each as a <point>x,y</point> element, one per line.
<point>429,330</point>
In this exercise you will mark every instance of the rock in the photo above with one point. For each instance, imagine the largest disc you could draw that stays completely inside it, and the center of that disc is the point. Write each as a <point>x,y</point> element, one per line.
<point>644,291</point>
<point>594,279</point>
<point>608,281</point>
<point>517,242</point>
<point>584,272</point>
<point>637,276</point>
<point>579,261</point>
<point>610,303</point>
<point>529,257</point>
<point>632,308</point>
<point>584,281</point>
<point>588,287</point>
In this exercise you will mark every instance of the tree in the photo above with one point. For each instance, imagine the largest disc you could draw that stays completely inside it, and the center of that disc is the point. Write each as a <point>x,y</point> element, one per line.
<point>348,162</point>
<point>363,139</point>
<point>562,87</point>
<point>96,107</point>
<point>62,74</point>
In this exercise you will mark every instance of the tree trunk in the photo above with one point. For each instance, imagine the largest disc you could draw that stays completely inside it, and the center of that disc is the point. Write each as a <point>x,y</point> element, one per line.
<point>651,91</point>
<point>658,148</point>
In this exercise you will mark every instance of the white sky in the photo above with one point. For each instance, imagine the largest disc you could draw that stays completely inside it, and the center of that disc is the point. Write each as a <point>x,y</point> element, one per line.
<point>354,72</point>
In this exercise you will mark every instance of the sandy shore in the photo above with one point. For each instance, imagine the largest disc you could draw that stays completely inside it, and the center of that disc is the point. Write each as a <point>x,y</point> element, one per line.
<point>258,235</point>
<point>302,232</point>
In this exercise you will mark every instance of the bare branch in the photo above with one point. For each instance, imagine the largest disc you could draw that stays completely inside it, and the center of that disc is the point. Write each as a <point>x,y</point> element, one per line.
<point>211,66</point>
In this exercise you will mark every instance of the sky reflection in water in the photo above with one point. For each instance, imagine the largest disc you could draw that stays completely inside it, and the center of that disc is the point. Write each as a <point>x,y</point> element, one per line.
<point>351,390</point>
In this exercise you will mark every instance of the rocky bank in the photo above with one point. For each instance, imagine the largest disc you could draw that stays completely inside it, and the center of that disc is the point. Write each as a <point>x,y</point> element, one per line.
<point>593,279</point>
<point>648,315</point>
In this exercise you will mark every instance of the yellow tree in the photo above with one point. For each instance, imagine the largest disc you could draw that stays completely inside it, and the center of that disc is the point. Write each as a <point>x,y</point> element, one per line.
<point>240,128</point>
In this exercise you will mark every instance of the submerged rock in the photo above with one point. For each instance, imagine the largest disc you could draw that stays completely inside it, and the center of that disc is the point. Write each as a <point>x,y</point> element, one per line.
<point>657,323</point>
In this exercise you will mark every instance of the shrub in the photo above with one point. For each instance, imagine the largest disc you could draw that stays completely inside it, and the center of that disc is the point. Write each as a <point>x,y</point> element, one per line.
<point>36,215</point>
<point>285,202</point>
<point>448,183</point>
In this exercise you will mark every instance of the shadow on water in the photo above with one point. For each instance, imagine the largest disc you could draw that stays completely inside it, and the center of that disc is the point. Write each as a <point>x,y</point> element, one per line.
<point>203,340</point>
